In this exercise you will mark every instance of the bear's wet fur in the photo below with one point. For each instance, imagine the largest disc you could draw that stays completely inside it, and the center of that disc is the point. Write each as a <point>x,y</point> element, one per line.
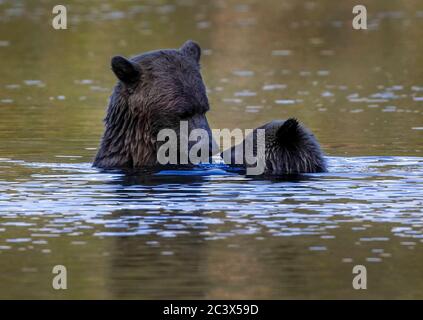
<point>156,90</point>
<point>290,148</point>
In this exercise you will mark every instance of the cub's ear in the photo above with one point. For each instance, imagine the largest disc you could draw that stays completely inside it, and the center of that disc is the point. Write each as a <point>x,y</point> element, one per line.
<point>125,70</point>
<point>191,49</point>
<point>289,133</point>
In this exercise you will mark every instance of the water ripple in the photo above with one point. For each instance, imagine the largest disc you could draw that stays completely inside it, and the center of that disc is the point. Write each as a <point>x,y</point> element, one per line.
<point>57,198</point>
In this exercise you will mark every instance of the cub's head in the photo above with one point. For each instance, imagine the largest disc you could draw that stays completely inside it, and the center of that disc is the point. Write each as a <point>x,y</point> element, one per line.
<point>291,148</point>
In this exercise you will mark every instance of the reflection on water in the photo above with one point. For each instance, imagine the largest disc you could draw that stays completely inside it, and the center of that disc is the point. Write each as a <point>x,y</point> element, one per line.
<point>210,232</point>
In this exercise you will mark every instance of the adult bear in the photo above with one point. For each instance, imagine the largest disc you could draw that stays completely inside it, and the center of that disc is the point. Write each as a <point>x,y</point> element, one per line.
<point>156,90</point>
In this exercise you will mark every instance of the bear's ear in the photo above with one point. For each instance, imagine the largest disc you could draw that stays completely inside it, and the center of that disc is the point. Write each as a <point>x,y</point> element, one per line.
<point>125,70</point>
<point>191,49</point>
<point>288,133</point>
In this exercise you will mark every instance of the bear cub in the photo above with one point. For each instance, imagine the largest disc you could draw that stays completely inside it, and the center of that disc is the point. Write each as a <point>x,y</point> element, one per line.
<point>289,148</point>
<point>156,90</point>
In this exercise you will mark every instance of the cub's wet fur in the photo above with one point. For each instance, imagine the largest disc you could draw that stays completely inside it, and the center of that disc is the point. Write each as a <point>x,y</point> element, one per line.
<point>290,148</point>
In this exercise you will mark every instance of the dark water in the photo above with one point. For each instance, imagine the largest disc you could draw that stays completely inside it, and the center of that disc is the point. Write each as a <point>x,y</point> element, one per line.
<point>207,232</point>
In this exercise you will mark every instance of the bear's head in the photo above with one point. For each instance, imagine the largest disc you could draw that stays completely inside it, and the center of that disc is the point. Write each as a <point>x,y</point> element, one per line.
<point>156,90</point>
<point>289,148</point>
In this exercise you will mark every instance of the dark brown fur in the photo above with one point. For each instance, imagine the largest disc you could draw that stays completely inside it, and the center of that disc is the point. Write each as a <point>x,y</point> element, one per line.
<point>156,90</point>
<point>290,148</point>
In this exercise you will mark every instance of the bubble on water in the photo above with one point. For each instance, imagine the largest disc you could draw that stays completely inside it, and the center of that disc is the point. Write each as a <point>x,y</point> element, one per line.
<point>395,88</point>
<point>377,250</point>
<point>114,15</point>
<point>78,243</point>
<point>316,41</point>
<point>305,73</point>
<point>231,100</point>
<point>61,97</point>
<point>408,243</point>
<point>317,248</point>
<point>303,93</point>
<point>282,53</point>
<point>285,101</point>
<point>373,239</point>
<point>253,109</point>
<point>99,88</point>
<point>385,255</point>
<point>37,83</point>
<point>17,224</point>
<point>4,43</point>
<point>417,128</point>
<point>84,81</point>
<point>13,86</point>
<point>203,24</point>
<point>327,94</point>
<point>418,98</point>
<point>384,95</point>
<point>373,259</point>
<point>167,253</point>
<point>323,73</point>
<point>243,73</point>
<point>18,240</point>
<point>245,93</point>
<point>364,100</point>
<point>356,110</point>
<point>276,86</point>
<point>39,242</point>
<point>389,109</point>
